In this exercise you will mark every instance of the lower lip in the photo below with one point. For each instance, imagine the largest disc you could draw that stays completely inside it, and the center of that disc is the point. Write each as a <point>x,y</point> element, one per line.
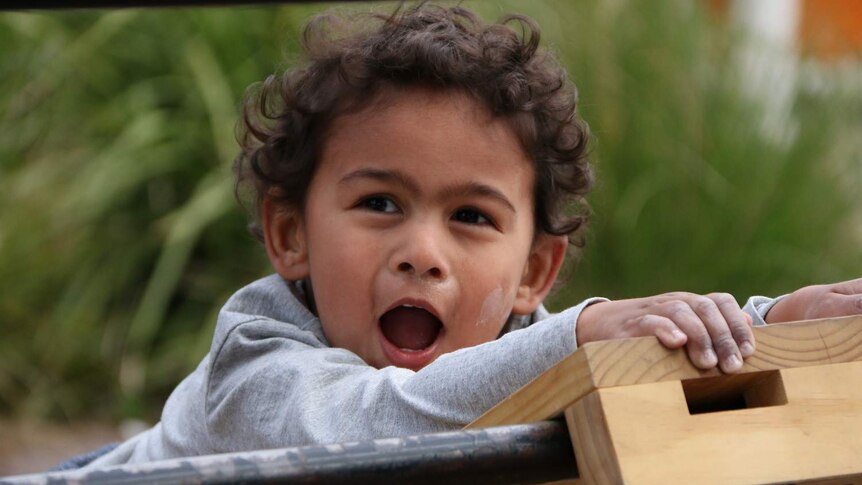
<point>413,360</point>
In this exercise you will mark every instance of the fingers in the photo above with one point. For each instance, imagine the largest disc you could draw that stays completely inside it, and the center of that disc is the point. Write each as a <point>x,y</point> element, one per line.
<point>849,288</point>
<point>712,328</point>
<point>729,355</point>
<point>737,320</point>
<point>699,343</point>
<point>840,305</point>
<point>718,331</point>
<point>667,332</point>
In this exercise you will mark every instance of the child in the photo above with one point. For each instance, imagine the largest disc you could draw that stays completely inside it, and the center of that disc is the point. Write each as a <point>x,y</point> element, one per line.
<point>417,185</point>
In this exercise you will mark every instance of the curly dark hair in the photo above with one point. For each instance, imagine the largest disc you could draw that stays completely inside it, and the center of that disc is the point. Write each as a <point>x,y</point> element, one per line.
<point>352,59</point>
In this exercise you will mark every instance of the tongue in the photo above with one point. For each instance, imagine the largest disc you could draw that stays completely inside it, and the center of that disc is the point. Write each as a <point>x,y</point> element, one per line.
<point>410,328</point>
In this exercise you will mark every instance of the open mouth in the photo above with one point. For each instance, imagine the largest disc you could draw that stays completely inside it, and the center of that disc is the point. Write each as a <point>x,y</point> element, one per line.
<point>410,328</point>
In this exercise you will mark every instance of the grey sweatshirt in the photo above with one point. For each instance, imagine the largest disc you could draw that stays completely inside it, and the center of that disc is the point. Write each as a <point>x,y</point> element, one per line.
<point>271,380</point>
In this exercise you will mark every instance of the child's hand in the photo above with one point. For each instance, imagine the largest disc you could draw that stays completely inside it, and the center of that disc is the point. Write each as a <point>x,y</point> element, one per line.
<point>705,325</point>
<point>819,301</point>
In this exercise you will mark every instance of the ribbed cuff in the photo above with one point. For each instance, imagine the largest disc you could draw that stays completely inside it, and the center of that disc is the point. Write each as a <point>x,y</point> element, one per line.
<point>758,306</point>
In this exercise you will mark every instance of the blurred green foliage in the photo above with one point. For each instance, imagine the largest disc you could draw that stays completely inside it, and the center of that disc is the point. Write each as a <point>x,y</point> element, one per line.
<point>120,238</point>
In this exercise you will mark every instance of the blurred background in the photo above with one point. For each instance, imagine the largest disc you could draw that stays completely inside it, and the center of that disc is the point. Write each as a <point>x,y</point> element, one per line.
<point>726,142</point>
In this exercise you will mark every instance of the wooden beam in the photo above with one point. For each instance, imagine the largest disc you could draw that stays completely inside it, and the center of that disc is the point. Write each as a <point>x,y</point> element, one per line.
<point>809,429</point>
<point>642,360</point>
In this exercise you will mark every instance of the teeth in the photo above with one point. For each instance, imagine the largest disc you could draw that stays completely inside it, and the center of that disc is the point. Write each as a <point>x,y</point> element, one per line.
<point>409,350</point>
<point>410,306</point>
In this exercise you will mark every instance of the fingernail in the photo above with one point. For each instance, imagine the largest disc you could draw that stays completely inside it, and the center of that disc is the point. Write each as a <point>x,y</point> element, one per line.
<point>710,357</point>
<point>747,349</point>
<point>677,335</point>
<point>732,363</point>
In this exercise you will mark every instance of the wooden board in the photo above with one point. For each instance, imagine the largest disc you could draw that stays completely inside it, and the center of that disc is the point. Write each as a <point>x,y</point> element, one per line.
<point>645,435</point>
<point>624,362</point>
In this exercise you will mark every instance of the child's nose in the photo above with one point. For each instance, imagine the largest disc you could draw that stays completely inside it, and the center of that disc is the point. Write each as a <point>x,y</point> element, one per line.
<point>433,271</point>
<point>421,254</point>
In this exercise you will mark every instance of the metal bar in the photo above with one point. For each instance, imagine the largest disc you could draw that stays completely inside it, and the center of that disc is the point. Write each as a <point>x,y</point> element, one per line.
<point>112,4</point>
<point>524,453</point>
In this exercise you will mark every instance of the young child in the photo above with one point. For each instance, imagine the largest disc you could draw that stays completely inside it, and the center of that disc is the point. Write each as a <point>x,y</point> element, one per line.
<point>417,185</point>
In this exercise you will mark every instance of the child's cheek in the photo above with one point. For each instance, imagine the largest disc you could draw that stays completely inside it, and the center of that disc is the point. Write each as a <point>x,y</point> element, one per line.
<point>493,310</point>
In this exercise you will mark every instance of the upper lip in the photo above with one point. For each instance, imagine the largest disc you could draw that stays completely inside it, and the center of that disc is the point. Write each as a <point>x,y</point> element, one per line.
<point>415,302</point>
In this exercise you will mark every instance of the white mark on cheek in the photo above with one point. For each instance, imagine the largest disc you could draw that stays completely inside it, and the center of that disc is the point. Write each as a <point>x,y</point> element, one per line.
<point>492,307</point>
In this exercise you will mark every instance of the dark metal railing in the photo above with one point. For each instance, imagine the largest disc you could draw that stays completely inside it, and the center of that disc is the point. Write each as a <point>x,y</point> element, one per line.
<point>525,453</point>
<point>113,4</point>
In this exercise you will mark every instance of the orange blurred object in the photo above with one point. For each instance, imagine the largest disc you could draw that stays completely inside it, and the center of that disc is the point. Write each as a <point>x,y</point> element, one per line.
<point>828,29</point>
<point>831,29</point>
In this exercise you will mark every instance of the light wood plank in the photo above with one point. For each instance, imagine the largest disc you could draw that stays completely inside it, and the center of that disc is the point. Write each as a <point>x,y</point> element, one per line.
<point>816,435</point>
<point>594,452</point>
<point>546,396</point>
<point>642,360</point>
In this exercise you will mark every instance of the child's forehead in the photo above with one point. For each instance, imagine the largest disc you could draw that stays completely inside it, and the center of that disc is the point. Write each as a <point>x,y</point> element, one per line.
<point>447,129</point>
<point>423,111</point>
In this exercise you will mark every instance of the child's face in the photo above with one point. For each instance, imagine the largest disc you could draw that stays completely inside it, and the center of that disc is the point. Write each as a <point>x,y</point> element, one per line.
<point>417,234</point>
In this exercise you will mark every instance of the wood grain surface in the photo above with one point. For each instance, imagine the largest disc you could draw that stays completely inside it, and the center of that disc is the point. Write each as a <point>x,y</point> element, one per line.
<point>642,360</point>
<point>813,434</point>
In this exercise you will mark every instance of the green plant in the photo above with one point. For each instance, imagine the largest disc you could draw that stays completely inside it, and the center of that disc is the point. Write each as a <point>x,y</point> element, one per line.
<point>120,235</point>
<point>693,194</point>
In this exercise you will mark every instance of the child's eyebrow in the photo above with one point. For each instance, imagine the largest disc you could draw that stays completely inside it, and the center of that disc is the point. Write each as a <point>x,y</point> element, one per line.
<point>464,189</point>
<point>477,189</point>
<point>392,176</point>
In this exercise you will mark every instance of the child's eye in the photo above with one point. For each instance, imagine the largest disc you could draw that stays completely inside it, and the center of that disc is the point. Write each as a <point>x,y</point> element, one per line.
<point>470,216</point>
<point>379,204</point>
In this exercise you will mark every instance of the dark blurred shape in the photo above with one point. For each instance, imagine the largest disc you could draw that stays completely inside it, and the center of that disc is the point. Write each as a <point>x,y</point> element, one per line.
<point>65,5</point>
<point>524,453</point>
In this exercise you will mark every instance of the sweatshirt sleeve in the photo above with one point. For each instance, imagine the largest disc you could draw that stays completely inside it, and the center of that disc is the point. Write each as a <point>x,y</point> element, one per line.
<point>271,386</point>
<point>758,306</point>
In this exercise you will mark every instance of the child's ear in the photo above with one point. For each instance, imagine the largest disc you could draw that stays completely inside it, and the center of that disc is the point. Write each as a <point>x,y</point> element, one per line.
<point>544,263</point>
<point>284,237</point>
